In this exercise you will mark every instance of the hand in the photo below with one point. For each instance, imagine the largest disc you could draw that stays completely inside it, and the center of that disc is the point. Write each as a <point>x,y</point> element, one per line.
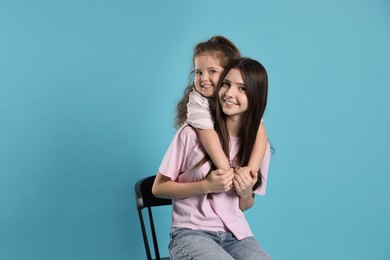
<point>220,181</point>
<point>244,180</point>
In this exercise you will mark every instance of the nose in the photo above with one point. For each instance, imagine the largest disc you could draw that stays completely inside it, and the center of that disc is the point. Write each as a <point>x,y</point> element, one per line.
<point>205,76</point>
<point>229,92</point>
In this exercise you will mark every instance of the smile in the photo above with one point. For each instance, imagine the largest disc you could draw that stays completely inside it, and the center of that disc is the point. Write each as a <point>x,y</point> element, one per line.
<point>206,85</point>
<point>229,102</point>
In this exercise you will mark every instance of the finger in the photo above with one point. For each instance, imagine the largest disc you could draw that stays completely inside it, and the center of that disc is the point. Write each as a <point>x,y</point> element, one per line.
<point>238,171</point>
<point>245,178</point>
<point>244,181</point>
<point>239,181</point>
<point>230,179</point>
<point>228,186</point>
<point>229,175</point>
<point>236,186</point>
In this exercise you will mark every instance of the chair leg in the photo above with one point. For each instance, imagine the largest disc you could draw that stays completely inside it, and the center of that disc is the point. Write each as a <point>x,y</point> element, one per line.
<point>144,235</point>
<point>156,250</point>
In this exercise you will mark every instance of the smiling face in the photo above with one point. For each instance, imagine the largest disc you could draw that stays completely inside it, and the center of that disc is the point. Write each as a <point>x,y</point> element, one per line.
<point>232,94</point>
<point>207,74</point>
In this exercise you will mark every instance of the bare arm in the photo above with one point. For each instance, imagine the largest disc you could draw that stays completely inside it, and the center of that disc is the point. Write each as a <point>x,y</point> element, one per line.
<point>246,202</point>
<point>246,177</point>
<point>210,141</point>
<point>258,150</point>
<point>217,181</point>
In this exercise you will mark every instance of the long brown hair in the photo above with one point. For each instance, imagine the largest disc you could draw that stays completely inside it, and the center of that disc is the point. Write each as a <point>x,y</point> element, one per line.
<point>220,48</point>
<point>255,80</point>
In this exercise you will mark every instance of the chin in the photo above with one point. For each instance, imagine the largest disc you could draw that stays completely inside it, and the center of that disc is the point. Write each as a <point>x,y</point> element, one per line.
<point>206,93</point>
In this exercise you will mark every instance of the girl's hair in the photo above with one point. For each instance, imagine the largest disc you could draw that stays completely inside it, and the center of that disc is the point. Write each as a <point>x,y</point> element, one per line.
<point>255,79</point>
<point>220,48</point>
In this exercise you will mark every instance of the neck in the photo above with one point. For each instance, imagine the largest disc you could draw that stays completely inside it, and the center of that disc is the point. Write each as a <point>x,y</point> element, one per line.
<point>233,125</point>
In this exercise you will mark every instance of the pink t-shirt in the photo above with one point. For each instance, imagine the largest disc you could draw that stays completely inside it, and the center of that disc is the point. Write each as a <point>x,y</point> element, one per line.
<point>212,212</point>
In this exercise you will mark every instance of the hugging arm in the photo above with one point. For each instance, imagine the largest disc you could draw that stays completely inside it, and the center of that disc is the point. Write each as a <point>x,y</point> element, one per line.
<point>210,141</point>
<point>215,182</point>
<point>245,177</point>
<point>258,150</point>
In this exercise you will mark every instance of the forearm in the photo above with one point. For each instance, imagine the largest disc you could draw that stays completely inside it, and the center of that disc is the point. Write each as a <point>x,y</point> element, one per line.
<point>164,187</point>
<point>258,150</point>
<point>216,181</point>
<point>210,141</point>
<point>246,202</point>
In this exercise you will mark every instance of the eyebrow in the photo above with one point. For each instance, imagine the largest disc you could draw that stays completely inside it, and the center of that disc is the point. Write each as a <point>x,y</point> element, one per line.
<point>208,68</point>
<point>226,80</point>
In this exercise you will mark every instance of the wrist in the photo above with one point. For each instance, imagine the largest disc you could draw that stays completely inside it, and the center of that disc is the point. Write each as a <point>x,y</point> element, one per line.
<point>205,187</point>
<point>252,168</point>
<point>225,169</point>
<point>246,195</point>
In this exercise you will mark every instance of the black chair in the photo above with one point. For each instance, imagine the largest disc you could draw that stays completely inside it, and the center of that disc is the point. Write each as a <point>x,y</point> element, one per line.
<point>145,199</point>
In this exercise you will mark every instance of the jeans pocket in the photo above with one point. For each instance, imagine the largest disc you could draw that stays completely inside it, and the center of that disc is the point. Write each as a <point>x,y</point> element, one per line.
<point>174,232</point>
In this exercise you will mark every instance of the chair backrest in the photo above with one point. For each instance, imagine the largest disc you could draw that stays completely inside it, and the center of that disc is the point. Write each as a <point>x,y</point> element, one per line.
<point>146,199</point>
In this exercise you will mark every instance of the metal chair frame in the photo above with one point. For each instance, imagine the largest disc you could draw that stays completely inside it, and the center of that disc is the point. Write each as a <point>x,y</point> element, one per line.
<point>145,199</point>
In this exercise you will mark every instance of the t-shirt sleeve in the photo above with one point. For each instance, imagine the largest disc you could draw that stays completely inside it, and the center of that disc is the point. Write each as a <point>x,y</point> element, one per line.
<point>264,171</point>
<point>198,112</point>
<point>175,157</point>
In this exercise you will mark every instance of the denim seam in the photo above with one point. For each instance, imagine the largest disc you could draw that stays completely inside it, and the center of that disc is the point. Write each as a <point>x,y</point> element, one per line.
<point>183,251</point>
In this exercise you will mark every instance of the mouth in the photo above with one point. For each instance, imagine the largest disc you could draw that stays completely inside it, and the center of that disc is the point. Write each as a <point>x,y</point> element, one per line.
<point>205,86</point>
<point>229,102</point>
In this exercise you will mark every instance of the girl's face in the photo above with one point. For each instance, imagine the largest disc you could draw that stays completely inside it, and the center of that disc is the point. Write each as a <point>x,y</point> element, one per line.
<point>207,74</point>
<point>232,94</point>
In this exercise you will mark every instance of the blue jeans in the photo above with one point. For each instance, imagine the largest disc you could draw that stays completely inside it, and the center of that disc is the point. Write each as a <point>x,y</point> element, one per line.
<point>187,244</point>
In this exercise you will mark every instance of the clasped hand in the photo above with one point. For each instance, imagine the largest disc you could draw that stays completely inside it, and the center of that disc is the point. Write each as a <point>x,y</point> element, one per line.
<point>244,180</point>
<point>241,178</point>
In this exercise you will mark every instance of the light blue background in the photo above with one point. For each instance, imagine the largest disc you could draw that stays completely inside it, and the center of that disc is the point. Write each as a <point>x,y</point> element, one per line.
<point>87,97</point>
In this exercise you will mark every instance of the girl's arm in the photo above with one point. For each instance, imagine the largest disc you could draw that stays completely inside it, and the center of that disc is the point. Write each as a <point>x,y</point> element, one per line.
<point>210,141</point>
<point>199,116</point>
<point>246,177</point>
<point>258,150</point>
<point>215,182</point>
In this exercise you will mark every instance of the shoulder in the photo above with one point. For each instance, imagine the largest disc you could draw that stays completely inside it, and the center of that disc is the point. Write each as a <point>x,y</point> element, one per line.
<point>187,134</point>
<point>197,98</point>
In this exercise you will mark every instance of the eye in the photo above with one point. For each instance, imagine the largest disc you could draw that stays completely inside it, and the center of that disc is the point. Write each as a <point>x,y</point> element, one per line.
<point>198,72</point>
<point>225,84</point>
<point>242,89</point>
<point>212,71</point>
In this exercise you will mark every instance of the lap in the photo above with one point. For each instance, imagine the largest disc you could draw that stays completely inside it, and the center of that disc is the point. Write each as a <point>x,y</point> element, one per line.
<point>206,245</point>
<point>247,249</point>
<point>195,244</point>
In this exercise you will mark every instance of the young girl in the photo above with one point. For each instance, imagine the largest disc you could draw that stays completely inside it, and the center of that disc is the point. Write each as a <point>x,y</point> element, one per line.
<point>198,230</point>
<point>209,59</point>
